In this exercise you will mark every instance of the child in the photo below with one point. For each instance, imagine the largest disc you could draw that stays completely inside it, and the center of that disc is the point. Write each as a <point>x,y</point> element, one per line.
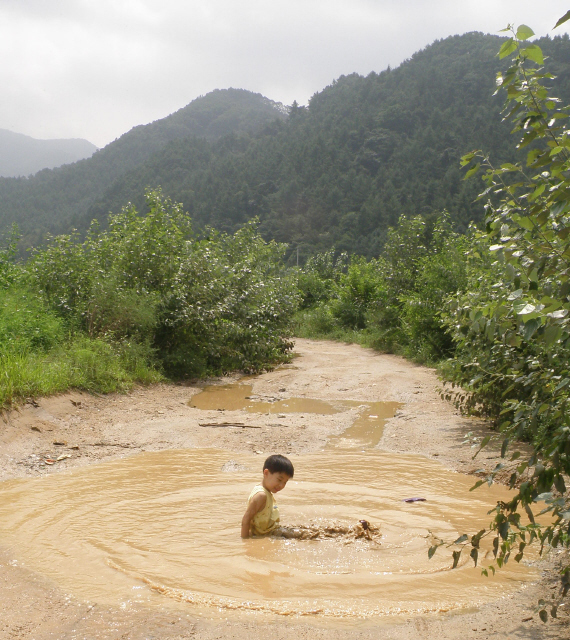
<point>262,515</point>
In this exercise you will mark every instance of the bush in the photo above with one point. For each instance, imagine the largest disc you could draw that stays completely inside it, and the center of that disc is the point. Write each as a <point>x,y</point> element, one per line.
<point>203,306</point>
<point>358,288</point>
<point>27,324</point>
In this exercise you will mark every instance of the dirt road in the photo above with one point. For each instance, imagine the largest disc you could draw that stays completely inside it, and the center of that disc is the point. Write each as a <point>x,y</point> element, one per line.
<point>77,429</point>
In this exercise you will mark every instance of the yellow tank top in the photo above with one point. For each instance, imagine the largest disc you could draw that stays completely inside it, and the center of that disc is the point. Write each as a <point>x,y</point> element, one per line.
<point>268,518</point>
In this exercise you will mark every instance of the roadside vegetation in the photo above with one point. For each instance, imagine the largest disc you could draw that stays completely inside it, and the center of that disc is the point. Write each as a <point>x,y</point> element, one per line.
<point>142,300</point>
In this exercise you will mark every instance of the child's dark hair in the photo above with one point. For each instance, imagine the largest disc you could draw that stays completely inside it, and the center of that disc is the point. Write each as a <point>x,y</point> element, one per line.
<point>279,464</point>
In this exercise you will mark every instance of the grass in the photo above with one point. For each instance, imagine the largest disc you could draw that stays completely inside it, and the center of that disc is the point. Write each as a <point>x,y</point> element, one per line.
<point>40,356</point>
<point>83,363</point>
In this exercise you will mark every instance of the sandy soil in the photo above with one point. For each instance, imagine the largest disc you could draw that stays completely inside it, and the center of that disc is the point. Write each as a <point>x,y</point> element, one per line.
<point>81,429</point>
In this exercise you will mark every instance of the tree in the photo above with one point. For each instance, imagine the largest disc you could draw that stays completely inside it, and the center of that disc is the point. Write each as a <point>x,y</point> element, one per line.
<point>514,334</point>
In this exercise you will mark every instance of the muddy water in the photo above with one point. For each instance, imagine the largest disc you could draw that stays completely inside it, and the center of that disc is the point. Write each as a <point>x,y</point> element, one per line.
<point>163,528</point>
<point>365,431</point>
<point>233,397</point>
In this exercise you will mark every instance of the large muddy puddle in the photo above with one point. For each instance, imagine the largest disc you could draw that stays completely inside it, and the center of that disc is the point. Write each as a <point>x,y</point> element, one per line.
<point>163,528</point>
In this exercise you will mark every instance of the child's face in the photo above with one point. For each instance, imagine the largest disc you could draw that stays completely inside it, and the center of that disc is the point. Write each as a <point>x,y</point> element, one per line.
<point>274,482</point>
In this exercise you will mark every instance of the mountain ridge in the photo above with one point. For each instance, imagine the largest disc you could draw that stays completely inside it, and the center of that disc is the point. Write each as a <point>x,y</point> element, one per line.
<point>23,155</point>
<point>56,200</point>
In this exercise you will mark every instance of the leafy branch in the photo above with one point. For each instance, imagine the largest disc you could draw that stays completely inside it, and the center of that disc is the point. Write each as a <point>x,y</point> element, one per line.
<point>515,332</point>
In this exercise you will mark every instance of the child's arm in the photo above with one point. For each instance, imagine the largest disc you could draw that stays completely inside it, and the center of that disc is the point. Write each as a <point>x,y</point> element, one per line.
<point>255,506</point>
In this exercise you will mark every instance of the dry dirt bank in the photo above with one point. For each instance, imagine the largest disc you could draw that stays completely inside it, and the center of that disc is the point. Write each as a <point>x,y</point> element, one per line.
<point>79,429</point>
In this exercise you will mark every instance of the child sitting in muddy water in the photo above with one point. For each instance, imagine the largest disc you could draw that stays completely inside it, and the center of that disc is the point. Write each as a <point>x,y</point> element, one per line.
<point>261,516</point>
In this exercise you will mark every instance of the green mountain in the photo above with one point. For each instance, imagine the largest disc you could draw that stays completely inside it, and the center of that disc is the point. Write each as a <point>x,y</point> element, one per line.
<point>337,172</point>
<point>58,200</point>
<point>22,155</point>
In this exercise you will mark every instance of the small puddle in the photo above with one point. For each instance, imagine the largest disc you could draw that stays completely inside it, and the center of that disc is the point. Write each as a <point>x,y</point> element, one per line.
<point>163,527</point>
<point>365,431</point>
<point>236,397</point>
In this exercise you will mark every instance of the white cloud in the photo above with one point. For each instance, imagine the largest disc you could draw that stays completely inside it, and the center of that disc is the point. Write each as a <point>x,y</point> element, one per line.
<point>95,68</point>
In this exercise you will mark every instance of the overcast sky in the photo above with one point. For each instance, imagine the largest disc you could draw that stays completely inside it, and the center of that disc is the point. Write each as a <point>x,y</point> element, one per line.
<point>96,68</point>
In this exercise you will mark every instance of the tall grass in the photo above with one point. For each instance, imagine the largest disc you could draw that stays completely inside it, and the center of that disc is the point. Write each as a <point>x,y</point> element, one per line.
<point>39,355</point>
<point>83,363</point>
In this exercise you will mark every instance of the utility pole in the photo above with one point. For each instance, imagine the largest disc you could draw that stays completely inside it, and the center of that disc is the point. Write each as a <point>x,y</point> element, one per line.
<point>297,256</point>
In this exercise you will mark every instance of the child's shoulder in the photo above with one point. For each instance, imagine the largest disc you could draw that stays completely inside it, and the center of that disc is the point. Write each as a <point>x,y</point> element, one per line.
<point>258,497</point>
<point>258,489</point>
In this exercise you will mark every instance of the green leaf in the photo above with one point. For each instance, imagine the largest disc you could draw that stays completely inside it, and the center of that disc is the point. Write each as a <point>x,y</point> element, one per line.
<point>524,32</point>
<point>431,551</point>
<point>461,539</point>
<point>560,484</point>
<point>537,192</point>
<point>525,223</point>
<point>551,334</point>
<point>456,556</point>
<point>466,159</point>
<point>530,328</point>
<point>563,19</point>
<point>534,52</point>
<point>508,47</point>
<point>474,555</point>
<point>543,615</point>
<point>524,310</point>
<point>477,485</point>
<point>472,171</point>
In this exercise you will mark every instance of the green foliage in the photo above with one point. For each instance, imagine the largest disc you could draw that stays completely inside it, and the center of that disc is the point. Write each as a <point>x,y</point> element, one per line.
<point>8,269</point>
<point>423,262</point>
<point>204,305</point>
<point>80,363</point>
<point>229,307</point>
<point>321,273</point>
<point>357,290</point>
<point>394,302</point>
<point>440,272</point>
<point>513,331</point>
<point>143,295</point>
<point>26,324</point>
<point>39,356</point>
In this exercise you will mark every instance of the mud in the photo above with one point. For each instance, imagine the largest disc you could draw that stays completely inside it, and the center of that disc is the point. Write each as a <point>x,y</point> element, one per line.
<point>68,505</point>
<point>347,533</point>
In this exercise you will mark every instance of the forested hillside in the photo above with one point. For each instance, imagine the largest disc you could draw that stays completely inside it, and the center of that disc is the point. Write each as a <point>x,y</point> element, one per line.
<point>22,155</point>
<point>337,173</point>
<point>57,200</point>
